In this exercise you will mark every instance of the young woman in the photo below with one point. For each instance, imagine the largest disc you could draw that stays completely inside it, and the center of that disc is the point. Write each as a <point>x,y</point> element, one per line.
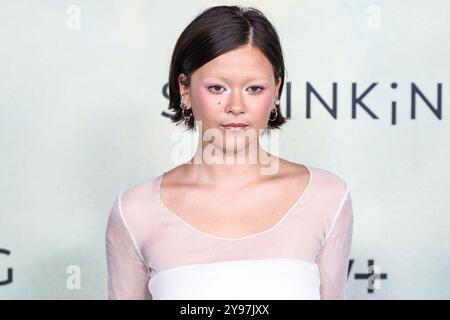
<point>215,228</point>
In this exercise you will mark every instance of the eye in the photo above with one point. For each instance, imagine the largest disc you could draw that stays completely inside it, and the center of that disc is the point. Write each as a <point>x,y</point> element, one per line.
<point>259,89</point>
<point>213,88</point>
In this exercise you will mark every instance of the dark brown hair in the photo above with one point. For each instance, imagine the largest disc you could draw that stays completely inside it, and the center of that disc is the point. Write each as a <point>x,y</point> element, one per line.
<point>214,32</point>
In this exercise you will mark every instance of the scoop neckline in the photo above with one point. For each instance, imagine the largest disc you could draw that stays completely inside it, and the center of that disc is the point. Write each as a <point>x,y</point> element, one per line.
<point>252,235</point>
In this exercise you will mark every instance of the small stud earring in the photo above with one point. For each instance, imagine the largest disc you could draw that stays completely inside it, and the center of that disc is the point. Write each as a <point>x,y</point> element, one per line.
<point>277,101</point>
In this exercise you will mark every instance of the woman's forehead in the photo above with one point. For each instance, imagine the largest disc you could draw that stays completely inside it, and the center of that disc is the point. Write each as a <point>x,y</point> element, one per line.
<point>238,63</point>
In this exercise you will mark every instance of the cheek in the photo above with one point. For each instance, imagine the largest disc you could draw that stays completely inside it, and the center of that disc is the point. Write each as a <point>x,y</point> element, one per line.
<point>205,104</point>
<point>261,106</point>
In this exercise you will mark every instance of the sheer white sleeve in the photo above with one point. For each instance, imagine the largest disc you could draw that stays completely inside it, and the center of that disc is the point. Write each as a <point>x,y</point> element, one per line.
<point>333,259</point>
<point>128,274</point>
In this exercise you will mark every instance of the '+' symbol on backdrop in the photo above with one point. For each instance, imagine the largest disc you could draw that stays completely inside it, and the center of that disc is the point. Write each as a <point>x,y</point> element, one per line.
<point>372,276</point>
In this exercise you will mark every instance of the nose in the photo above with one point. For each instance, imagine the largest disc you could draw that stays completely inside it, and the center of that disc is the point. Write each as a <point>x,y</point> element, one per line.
<point>236,103</point>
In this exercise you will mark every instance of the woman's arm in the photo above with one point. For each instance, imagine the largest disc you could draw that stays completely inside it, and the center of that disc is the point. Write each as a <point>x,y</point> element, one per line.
<point>128,274</point>
<point>333,259</point>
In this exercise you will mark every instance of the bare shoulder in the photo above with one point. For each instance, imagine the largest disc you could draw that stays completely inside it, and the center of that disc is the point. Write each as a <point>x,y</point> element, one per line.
<point>324,178</point>
<point>178,177</point>
<point>294,170</point>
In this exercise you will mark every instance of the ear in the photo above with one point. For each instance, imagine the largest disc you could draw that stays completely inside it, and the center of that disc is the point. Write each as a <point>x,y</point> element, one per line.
<point>277,87</point>
<point>184,88</point>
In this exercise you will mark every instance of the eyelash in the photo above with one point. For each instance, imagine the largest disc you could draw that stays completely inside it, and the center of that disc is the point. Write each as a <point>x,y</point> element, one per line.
<point>253,92</point>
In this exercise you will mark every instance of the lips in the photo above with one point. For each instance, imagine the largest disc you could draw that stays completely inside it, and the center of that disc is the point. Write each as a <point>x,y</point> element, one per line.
<point>235,125</point>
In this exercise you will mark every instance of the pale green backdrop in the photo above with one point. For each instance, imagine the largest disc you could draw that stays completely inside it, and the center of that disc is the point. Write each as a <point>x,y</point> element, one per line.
<point>80,120</point>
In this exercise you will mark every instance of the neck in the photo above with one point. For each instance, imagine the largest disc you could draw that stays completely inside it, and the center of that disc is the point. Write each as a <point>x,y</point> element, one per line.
<point>218,165</point>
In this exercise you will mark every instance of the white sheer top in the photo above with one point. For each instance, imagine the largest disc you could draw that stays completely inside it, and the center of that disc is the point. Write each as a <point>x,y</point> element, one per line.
<point>154,254</point>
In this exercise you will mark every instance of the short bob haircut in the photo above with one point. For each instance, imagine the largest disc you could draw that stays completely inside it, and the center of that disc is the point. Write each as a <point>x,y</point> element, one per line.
<point>214,32</point>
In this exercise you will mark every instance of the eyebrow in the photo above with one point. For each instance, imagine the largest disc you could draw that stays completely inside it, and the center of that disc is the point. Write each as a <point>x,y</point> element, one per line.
<point>246,79</point>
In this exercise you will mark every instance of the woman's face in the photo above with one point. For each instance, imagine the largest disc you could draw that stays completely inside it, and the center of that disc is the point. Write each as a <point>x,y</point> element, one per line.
<point>236,87</point>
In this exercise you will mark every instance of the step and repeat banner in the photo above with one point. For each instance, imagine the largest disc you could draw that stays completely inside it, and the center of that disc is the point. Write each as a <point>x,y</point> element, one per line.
<point>83,116</point>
